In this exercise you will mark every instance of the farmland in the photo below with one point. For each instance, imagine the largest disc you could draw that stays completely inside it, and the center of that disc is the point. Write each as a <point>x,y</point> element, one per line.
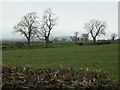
<point>104,57</point>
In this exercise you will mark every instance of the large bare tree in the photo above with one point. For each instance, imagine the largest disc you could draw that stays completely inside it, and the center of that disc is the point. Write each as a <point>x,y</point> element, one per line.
<point>28,26</point>
<point>48,22</point>
<point>95,28</point>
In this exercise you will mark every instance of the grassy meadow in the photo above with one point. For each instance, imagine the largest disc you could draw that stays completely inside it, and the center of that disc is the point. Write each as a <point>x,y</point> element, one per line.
<point>104,57</point>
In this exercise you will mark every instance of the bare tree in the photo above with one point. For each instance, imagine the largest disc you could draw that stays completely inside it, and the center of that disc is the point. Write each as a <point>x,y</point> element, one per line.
<point>75,37</point>
<point>95,28</point>
<point>48,22</point>
<point>28,26</point>
<point>113,36</point>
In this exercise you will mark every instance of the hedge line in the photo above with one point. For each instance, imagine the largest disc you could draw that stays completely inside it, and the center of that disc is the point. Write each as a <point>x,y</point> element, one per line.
<point>24,78</point>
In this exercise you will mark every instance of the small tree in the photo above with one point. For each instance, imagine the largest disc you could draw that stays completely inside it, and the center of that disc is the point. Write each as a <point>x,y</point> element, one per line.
<point>113,36</point>
<point>28,26</point>
<point>75,37</point>
<point>48,23</point>
<point>85,37</point>
<point>95,28</point>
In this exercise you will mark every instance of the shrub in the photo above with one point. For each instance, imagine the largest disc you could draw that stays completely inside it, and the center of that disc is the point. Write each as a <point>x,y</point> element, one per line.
<point>19,44</point>
<point>80,44</point>
<point>57,78</point>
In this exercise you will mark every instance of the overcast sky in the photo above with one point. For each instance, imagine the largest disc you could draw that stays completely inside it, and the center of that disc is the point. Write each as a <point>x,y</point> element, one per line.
<point>71,16</point>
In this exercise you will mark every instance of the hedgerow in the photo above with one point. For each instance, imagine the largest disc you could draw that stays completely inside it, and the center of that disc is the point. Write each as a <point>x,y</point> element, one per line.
<point>25,78</point>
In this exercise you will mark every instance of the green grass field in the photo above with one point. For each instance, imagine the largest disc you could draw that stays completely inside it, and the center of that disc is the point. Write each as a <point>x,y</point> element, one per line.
<point>103,57</point>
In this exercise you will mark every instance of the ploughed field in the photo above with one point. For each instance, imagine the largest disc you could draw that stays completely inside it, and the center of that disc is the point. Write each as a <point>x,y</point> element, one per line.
<point>104,57</point>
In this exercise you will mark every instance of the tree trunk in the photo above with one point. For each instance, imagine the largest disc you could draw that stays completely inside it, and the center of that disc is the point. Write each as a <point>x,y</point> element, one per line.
<point>94,40</point>
<point>28,42</point>
<point>113,39</point>
<point>47,42</point>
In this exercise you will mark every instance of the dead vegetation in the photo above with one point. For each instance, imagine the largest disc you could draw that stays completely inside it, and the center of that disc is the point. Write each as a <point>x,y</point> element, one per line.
<point>57,78</point>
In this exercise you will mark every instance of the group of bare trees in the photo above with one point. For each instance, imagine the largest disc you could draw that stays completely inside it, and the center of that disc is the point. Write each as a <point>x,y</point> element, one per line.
<point>95,28</point>
<point>76,37</point>
<point>31,27</point>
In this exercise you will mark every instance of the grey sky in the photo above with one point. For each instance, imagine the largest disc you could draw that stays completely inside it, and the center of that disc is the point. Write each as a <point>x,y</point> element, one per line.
<point>71,16</point>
